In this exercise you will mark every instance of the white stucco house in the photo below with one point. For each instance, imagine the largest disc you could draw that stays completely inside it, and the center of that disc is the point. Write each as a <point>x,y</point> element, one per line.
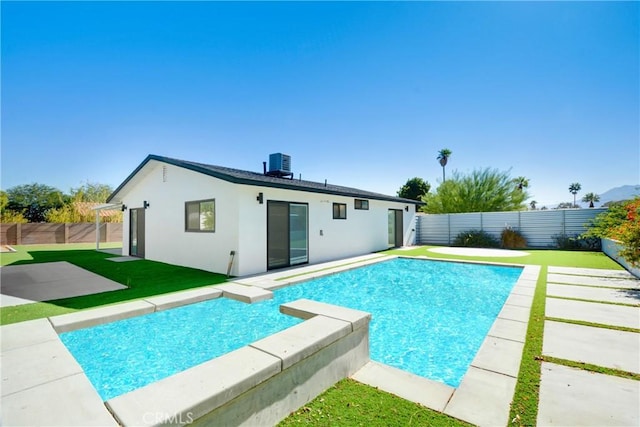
<point>196,215</point>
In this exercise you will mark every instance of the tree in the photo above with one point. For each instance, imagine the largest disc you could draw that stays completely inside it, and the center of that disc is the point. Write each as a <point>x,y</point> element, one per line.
<point>91,192</point>
<point>566,205</point>
<point>8,216</point>
<point>533,204</point>
<point>414,189</point>
<point>484,190</point>
<point>591,198</point>
<point>573,189</point>
<point>521,182</point>
<point>4,200</point>
<point>33,201</point>
<point>78,207</point>
<point>443,158</point>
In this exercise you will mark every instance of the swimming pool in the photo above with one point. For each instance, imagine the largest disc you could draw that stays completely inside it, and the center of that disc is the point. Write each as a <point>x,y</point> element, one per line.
<point>428,318</point>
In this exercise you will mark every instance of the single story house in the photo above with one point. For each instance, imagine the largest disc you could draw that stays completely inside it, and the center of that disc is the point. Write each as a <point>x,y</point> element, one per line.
<point>199,215</point>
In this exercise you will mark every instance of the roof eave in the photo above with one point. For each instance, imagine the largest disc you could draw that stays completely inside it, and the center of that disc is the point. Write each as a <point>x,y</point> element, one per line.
<point>245,181</point>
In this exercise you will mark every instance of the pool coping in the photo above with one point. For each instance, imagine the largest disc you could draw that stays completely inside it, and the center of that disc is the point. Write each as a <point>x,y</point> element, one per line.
<point>485,392</point>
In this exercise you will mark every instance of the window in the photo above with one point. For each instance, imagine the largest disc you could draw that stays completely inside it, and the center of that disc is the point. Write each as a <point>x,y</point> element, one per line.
<point>339,211</point>
<point>200,216</point>
<point>362,204</point>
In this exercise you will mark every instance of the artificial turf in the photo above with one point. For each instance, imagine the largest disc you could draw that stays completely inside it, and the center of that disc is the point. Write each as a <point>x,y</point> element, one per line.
<point>350,403</point>
<point>545,257</point>
<point>143,278</point>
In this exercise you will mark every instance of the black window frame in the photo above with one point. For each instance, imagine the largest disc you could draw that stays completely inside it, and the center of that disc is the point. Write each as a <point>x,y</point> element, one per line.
<point>186,215</point>
<point>338,211</point>
<point>361,204</point>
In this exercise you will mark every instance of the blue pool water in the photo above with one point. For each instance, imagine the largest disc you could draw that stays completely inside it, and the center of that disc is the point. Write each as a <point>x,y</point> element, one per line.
<point>428,318</point>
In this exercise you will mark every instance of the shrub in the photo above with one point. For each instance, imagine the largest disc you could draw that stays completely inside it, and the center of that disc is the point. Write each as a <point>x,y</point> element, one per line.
<point>9,217</point>
<point>512,239</point>
<point>576,242</point>
<point>476,239</point>
<point>620,222</point>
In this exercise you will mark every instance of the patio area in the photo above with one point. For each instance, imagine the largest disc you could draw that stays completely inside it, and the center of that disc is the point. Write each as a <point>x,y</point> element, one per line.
<point>589,364</point>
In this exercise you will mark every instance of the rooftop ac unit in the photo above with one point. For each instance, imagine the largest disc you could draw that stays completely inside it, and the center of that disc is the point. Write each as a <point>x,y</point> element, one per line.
<point>280,163</point>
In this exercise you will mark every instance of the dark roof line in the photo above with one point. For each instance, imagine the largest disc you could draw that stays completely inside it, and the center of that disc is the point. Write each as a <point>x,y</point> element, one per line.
<point>238,176</point>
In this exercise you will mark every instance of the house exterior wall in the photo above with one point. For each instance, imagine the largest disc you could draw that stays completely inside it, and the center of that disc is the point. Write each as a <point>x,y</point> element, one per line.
<point>165,237</point>
<point>241,221</point>
<point>363,231</point>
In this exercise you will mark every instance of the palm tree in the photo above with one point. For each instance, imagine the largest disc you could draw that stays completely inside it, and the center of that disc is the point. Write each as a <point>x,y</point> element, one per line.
<point>533,204</point>
<point>443,157</point>
<point>591,198</point>
<point>573,189</point>
<point>521,182</point>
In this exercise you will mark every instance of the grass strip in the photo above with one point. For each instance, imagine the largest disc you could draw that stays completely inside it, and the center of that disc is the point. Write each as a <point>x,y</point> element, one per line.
<point>595,302</point>
<point>595,325</point>
<point>350,403</point>
<point>524,407</point>
<point>591,368</point>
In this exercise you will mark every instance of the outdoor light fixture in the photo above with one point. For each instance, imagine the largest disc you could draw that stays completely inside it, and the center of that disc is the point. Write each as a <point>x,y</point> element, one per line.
<point>260,198</point>
<point>145,204</point>
<point>406,208</point>
<point>124,207</point>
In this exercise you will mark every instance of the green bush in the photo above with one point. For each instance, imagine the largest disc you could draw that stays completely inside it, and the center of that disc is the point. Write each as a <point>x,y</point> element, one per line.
<point>476,239</point>
<point>576,242</point>
<point>512,239</point>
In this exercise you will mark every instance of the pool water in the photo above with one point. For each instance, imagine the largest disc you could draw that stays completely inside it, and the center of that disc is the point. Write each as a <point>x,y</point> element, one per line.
<point>122,356</point>
<point>428,318</point>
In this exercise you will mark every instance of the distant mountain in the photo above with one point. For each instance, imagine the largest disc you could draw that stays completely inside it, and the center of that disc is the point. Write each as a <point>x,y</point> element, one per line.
<point>624,192</point>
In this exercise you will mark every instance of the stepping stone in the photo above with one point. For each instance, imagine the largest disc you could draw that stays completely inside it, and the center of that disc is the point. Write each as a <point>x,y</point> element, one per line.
<point>605,314</point>
<point>597,346</point>
<point>574,397</point>
<point>620,274</point>
<point>624,296</point>
<point>593,281</point>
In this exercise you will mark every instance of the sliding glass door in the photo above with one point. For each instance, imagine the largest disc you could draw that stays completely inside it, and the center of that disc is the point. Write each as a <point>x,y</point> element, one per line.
<point>298,233</point>
<point>287,234</point>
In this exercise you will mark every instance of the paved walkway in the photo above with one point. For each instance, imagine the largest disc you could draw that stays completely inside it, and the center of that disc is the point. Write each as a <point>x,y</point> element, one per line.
<point>571,396</point>
<point>28,283</point>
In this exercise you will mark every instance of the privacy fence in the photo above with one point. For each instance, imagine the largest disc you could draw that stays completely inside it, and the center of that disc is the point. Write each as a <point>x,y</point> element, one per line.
<point>538,227</point>
<point>46,233</point>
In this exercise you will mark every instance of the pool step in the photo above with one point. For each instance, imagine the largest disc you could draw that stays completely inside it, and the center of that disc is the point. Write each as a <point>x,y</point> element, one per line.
<point>244,293</point>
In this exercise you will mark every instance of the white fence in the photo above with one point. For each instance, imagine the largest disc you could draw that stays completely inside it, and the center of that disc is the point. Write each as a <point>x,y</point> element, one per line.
<point>538,227</point>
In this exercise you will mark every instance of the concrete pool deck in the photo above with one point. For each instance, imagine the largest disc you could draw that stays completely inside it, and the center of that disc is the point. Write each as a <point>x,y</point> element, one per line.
<point>38,373</point>
<point>42,383</point>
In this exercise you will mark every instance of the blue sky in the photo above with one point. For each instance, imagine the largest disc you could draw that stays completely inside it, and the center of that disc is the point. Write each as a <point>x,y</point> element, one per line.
<point>361,94</point>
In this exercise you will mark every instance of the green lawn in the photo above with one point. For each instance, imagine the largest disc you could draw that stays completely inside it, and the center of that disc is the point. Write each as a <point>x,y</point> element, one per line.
<point>143,278</point>
<point>348,403</point>
<point>545,257</point>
